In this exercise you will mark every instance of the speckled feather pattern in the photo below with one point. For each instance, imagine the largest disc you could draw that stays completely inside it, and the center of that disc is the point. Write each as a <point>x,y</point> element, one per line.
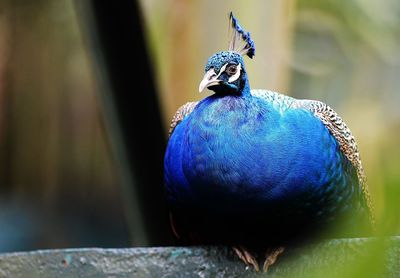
<point>181,113</point>
<point>328,117</point>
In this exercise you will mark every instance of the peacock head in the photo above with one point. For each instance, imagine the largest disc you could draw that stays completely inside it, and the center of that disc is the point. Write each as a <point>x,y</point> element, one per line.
<point>225,72</point>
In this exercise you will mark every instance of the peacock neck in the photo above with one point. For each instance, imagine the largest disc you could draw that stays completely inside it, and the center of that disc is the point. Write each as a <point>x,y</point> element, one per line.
<point>246,89</point>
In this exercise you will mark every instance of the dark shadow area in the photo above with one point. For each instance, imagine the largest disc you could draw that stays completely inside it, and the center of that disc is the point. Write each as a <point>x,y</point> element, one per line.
<point>117,30</point>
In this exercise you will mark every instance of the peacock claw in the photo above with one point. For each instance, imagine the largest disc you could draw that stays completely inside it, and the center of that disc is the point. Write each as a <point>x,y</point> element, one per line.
<point>271,256</point>
<point>246,257</point>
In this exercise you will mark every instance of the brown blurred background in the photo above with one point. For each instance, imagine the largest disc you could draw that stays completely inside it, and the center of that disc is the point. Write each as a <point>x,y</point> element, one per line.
<point>60,183</point>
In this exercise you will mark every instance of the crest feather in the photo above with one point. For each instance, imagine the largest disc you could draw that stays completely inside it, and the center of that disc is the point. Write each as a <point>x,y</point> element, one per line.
<point>241,41</point>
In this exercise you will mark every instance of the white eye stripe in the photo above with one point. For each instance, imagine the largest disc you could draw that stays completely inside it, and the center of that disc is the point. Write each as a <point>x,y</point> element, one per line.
<point>222,69</point>
<point>236,75</point>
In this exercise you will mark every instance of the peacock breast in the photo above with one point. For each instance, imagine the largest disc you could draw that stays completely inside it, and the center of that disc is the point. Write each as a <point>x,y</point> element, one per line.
<point>246,150</point>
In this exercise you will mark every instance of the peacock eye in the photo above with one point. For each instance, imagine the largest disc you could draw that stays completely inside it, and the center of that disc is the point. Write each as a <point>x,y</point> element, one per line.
<point>231,70</point>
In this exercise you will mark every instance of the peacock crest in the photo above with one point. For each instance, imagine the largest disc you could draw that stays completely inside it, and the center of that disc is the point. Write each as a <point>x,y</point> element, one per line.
<point>241,41</point>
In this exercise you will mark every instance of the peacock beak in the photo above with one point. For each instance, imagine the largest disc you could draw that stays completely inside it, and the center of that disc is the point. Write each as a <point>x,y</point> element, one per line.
<point>209,79</point>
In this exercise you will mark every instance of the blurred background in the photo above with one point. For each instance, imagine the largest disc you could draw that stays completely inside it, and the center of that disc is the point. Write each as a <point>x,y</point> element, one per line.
<point>69,177</point>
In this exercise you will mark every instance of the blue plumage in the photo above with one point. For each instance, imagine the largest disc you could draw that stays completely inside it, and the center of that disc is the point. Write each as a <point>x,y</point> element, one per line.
<point>244,148</point>
<point>256,168</point>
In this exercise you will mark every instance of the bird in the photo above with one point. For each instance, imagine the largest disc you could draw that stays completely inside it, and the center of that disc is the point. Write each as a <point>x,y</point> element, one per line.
<point>258,170</point>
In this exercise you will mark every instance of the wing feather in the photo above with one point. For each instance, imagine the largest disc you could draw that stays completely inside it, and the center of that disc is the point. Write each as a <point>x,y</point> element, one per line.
<point>180,114</point>
<point>337,128</point>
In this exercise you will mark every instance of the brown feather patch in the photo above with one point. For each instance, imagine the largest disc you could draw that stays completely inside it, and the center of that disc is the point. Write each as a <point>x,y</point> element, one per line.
<point>180,114</point>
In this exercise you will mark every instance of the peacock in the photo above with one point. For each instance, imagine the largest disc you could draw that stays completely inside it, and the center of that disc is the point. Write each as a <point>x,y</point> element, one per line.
<point>258,170</point>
